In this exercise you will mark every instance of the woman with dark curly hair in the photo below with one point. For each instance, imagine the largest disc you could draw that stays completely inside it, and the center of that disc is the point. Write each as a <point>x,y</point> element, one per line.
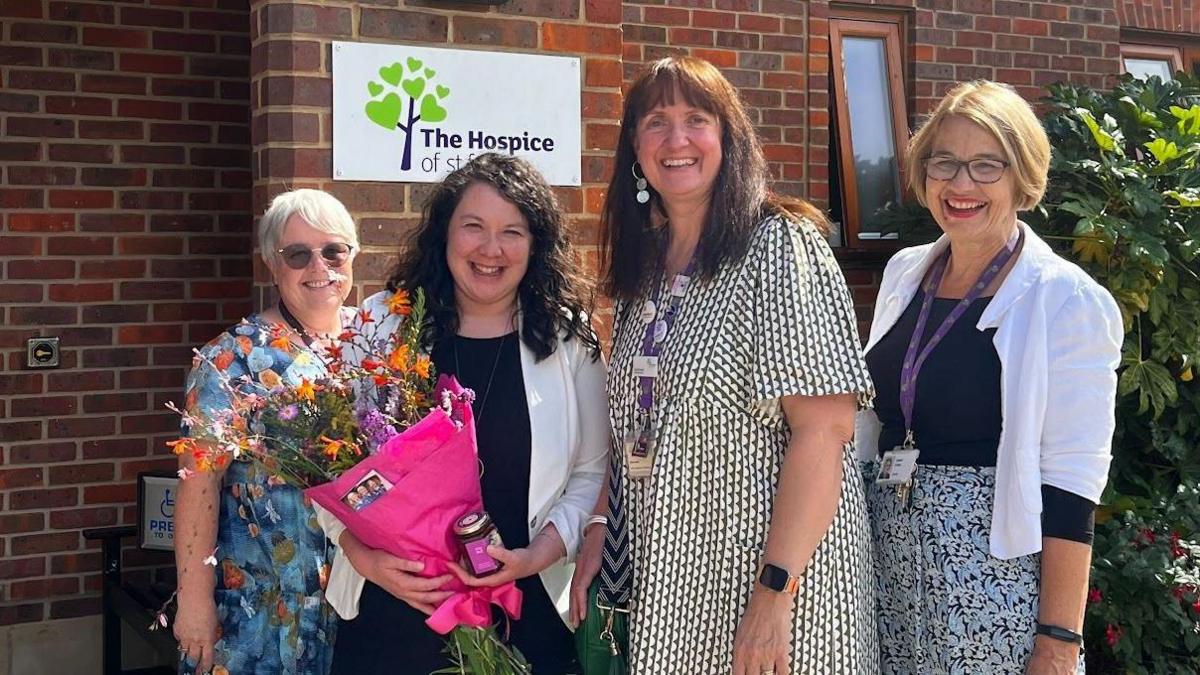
<point>507,318</point>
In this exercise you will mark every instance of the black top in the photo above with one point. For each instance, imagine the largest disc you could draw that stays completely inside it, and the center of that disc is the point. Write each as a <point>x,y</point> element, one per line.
<point>388,632</point>
<point>956,417</point>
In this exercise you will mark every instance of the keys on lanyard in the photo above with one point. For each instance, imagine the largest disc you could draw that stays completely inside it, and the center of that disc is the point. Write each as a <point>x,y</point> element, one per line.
<point>641,444</point>
<point>898,465</point>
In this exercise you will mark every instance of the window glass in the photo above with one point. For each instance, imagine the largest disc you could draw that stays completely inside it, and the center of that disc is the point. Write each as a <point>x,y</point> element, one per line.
<point>1144,68</point>
<point>868,101</point>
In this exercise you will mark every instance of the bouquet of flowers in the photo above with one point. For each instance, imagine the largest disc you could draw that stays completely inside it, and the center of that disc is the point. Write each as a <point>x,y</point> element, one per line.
<point>383,447</point>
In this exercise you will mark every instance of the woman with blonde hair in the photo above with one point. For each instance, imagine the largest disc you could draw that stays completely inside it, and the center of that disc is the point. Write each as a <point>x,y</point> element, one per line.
<point>994,360</point>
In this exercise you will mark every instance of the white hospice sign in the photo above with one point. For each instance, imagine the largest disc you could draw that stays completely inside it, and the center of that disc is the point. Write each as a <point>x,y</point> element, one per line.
<point>414,114</point>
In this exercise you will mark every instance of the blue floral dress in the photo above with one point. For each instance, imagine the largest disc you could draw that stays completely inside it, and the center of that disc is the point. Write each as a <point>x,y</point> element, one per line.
<point>273,558</point>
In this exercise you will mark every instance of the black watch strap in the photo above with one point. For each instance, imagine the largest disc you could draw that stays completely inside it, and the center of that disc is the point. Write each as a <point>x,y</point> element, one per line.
<point>1059,633</point>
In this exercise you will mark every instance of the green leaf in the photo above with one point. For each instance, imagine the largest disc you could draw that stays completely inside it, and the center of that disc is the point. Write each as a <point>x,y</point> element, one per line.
<point>1189,118</point>
<point>1189,198</point>
<point>1151,381</point>
<point>1103,139</point>
<point>1163,150</point>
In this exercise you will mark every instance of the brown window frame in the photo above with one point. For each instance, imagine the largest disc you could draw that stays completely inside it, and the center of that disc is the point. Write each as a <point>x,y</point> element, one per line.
<point>1173,55</point>
<point>891,28</point>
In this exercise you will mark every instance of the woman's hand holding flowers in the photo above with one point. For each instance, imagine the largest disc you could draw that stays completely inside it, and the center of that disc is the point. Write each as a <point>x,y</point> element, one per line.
<point>397,576</point>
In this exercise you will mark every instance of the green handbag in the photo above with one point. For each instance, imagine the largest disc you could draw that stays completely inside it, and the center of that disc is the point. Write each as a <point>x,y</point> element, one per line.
<point>602,640</point>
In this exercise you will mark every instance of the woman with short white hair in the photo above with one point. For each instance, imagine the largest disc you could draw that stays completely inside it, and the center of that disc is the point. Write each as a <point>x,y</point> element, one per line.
<point>262,608</point>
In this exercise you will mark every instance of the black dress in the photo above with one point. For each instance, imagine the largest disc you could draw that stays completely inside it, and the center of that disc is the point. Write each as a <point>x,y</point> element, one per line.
<point>388,635</point>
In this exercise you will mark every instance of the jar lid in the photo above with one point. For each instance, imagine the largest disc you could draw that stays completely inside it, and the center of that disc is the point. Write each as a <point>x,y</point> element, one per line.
<point>472,523</point>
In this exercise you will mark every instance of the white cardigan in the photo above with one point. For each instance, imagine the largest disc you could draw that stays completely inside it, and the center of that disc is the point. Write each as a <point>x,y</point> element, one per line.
<point>569,438</point>
<point>1058,336</point>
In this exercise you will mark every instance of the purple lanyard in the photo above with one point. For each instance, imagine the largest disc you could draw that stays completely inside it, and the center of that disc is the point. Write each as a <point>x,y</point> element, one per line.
<point>913,361</point>
<point>657,329</point>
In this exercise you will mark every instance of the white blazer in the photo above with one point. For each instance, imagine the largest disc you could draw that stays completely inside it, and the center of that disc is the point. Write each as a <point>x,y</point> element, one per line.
<point>569,434</point>
<point>1058,336</point>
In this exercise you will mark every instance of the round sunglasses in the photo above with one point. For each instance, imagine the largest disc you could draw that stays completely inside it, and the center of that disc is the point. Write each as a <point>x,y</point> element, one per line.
<point>298,256</point>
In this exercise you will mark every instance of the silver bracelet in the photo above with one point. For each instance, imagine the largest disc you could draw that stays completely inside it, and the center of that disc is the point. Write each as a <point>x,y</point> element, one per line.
<point>595,520</point>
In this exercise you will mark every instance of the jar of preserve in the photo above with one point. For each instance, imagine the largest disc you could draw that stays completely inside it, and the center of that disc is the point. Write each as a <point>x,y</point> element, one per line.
<point>475,532</point>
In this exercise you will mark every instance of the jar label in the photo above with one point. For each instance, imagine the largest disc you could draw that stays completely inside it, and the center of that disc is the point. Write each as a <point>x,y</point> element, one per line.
<point>481,562</point>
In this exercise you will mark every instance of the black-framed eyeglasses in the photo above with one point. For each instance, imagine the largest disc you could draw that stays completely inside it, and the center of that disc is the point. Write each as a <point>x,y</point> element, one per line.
<point>982,170</point>
<point>298,256</point>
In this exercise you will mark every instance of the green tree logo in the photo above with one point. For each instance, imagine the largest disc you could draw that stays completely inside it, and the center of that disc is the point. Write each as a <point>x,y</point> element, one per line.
<point>387,111</point>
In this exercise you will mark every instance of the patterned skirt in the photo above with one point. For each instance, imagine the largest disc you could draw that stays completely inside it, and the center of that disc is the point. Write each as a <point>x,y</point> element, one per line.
<point>946,606</point>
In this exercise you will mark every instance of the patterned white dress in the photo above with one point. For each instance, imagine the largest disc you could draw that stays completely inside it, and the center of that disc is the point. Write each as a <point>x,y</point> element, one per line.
<point>779,322</point>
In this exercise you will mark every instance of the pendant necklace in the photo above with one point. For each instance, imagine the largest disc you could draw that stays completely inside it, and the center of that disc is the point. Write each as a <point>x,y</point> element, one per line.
<point>488,388</point>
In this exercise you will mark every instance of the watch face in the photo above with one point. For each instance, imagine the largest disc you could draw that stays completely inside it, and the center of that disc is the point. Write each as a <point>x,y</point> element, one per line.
<point>773,577</point>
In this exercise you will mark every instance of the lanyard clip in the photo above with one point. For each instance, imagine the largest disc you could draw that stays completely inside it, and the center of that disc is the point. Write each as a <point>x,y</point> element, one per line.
<point>909,442</point>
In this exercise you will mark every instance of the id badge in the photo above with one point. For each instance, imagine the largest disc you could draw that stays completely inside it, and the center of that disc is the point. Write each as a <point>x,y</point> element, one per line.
<point>897,466</point>
<point>645,366</point>
<point>640,447</point>
<point>679,285</point>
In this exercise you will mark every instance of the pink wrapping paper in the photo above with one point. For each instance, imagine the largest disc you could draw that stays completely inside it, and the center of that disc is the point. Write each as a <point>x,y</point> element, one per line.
<point>434,471</point>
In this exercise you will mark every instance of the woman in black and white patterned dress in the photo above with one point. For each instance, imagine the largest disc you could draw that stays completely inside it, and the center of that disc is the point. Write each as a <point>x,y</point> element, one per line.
<point>733,392</point>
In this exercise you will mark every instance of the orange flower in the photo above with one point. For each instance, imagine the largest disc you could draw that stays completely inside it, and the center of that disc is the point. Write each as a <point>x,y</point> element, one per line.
<point>421,367</point>
<point>306,390</point>
<point>399,303</point>
<point>223,360</point>
<point>181,445</point>
<point>331,447</point>
<point>282,343</point>
<point>347,336</point>
<point>398,359</point>
<point>371,364</point>
<point>380,380</point>
<point>364,317</point>
<point>334,352</point>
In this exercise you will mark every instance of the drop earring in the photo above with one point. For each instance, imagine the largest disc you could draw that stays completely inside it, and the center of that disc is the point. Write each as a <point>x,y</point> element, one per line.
<point>643,195</point>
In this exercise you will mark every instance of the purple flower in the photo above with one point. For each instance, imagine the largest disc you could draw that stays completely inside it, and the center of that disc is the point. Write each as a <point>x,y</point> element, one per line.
<point>375,428</point>
<point>289,412</point>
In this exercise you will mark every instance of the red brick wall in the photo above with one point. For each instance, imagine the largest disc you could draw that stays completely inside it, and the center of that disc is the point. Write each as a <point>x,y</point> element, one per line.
<point>1176,16</point>
<point>125,196</point>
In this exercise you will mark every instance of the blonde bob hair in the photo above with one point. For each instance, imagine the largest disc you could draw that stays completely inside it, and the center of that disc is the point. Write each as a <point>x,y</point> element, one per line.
<point>999,109</point>
<point>319,209</point>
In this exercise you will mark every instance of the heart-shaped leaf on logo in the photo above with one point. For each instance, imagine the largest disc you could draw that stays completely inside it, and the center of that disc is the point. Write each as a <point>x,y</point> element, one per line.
<point>442,92</point>
<point>392,74</point>
<point>414,87</point>
<point>385,113</point>
<point>374,88</point>
<point>431,111</point>
<point>429,72</point>
<point>414,64</point>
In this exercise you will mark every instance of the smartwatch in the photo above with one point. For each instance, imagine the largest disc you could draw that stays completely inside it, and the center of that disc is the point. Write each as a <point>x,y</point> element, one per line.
<point>777,579</point>
<point>1059,633</point>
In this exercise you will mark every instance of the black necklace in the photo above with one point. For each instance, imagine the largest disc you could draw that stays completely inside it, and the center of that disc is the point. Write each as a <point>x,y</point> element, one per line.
<point>488,389</point>
<point>295,324</point>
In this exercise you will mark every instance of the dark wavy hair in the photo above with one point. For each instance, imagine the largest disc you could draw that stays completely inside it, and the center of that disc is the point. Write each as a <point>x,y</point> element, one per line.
<point>631,247</point>
<point>551,294</point>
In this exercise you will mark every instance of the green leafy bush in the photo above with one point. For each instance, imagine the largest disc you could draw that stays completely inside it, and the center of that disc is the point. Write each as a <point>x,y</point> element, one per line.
<point>1123,203</point>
